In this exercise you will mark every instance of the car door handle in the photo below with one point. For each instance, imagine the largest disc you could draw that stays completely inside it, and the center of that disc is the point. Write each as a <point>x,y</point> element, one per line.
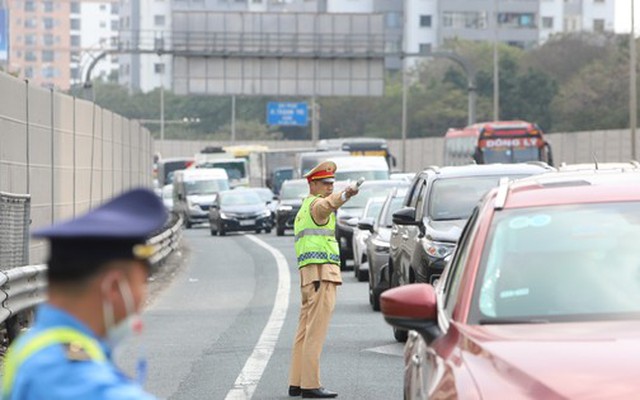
<point>415,360</point>
<point>405,237</point>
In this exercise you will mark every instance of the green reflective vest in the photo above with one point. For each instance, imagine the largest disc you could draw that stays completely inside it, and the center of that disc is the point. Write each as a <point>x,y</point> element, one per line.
<point>315,244</point>
<point>16,356</point>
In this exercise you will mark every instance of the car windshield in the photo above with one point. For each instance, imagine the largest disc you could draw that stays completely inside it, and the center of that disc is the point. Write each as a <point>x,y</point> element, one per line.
<point>368,175</point>
<point>206,186</point>
<point>509,155</point>
<point>454,198</point>
<point>395,205</point>
<point>240,198</point>
<point>265,194</point>
<point>374,208</point>
<point>235,169</point>
<point>368,191</point>
<point>292,191</point>
<point>562,263</point>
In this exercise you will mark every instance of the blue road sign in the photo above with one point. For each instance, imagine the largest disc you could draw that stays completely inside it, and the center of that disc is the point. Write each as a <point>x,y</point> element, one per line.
<point>4,35</point>
<point>290,114</point>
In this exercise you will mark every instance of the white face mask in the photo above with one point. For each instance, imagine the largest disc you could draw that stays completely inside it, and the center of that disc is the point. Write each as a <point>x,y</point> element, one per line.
<point>130,325</point>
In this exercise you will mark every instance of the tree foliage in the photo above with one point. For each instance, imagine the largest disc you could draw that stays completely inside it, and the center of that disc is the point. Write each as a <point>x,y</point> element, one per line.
<point>572,82</point>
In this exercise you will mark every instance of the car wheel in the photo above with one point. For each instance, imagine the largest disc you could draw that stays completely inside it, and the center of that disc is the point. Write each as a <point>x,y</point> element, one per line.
<point>343,262</point>
<point>258,231</point>
<point>363,275</point>
<point>187,223</point>
<point>279,230</point>
<point>222,231</point>
<point>213,232</point>
<point>267,231</point>
<point>400,335</point>
<point>375,299</point>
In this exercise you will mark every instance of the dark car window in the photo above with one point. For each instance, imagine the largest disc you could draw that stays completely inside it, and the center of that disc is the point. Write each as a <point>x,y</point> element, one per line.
<point>292,191</point>
<point>240,198</point>
<point>394,205</point>
<point>265,194</point>
<point>454,198</point>
<point>412,198</point>
<point>460,257</point>
<point>561,263</point>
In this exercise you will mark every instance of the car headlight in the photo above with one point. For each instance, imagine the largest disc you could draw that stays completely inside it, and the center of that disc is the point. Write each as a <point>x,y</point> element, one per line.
<point>225,216</point>
<point>380,246</point>
<point>285,208</point>
<point>265,213</point>
<point>193,206</point>
<point>438,249</point>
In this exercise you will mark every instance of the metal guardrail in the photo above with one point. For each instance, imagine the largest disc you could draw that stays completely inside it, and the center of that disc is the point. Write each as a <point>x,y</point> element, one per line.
<point>22,288</point>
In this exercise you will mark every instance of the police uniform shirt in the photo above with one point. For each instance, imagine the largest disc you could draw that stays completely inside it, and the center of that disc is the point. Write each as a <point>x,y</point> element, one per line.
<point>62,372</point>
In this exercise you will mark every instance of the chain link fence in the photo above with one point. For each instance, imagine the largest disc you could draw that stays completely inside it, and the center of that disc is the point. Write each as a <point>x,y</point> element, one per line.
<point>15,217</point>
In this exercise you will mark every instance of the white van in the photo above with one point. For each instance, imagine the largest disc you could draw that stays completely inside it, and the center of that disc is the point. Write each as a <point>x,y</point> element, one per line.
<point>195,189</point>
<point>372,168</point>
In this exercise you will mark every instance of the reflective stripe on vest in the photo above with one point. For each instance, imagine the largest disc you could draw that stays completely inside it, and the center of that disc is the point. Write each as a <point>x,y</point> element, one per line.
<point>17,356</point>
<point>314,232</point>
<point>315,244</point>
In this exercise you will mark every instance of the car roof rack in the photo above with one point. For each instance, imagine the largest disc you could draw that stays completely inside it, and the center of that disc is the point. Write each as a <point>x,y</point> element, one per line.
<point>501,197</point>
<point>435,168</point>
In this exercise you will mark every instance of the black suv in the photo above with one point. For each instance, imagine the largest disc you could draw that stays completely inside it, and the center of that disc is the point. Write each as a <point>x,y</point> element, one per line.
<point>437,206</point>
<point>292,193</point>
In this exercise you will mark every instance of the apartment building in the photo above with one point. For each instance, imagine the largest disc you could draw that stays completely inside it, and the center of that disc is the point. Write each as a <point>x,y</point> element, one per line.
<point>52,41</point>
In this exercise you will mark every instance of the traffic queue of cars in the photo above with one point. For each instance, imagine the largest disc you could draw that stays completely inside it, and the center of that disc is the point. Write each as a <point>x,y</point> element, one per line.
<point>539,297</point>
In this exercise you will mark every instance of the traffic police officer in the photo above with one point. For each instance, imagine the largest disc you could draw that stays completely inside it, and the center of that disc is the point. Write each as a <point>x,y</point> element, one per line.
<point>97,276</point>
<point>318,257</point>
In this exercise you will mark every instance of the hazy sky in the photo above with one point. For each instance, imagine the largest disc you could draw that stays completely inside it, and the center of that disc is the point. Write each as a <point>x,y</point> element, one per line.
<point>623,16</point>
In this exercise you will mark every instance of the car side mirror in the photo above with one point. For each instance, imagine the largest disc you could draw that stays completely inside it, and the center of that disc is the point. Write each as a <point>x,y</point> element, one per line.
<point>214,206</point>
<point>412,307</point>
<point>353,222</point>
<point>405,216</point>
<point>180,197</point>
<point>366,224</point>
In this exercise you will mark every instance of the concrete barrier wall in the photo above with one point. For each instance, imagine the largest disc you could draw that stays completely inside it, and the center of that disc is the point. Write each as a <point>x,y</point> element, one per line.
<point>68,154</point>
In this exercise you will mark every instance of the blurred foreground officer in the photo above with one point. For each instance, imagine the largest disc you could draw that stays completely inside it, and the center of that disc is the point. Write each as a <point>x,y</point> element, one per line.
<point>319,263</point>
<point>97,273</point>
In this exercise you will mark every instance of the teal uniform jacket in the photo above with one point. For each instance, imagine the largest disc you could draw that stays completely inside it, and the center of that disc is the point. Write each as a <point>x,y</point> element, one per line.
<point>53,373</point>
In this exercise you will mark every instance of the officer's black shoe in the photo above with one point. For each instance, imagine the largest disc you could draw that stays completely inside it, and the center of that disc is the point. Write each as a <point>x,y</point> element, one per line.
<point>295,391</point>
<point>320,393</point>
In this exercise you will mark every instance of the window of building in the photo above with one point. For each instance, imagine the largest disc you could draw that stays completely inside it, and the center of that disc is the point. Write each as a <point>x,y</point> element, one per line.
<point>30,40</point>
<point>47,55</point>
<point>517,20</point>
<point>49,23</point>
<point>547,22</point>
<point>158,20</point>
<point>18,54</point>
<point>114,25</point>
<point>75,73</point>
<point>28,72</point>
<point>47,39</point>
<point>29,5</point>
<point>598,25</point>
<point>158,68</point>
<point>75,24</point>
<point>48,6</point>
<point>30,56</point>
<point>50,72</point>
<point>393,20</point>
<point>30,23</point>
<point>115,9</point>
<point>75,41</point>
<point>424,48</point>
<point>74,56</point>
<point>598,1</point>
<point>460,20</point>
<point>103,24</point>
<point>75,7</point>
<point>103,7</point>
<point>425,21</point>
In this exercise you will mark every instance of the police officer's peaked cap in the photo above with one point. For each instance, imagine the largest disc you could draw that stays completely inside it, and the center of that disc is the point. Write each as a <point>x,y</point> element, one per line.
<point>325,172</point>
<point>118,229</point>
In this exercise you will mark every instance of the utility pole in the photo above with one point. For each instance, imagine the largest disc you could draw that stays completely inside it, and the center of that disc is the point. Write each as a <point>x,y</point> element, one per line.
<point>315,121</point>
<point>404,115</point>
<point>633,101</point>
<point>496,75</point>
<point>233,118</point>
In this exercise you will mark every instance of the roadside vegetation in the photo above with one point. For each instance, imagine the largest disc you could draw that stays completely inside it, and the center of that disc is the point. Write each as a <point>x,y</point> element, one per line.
<point>573,82</point>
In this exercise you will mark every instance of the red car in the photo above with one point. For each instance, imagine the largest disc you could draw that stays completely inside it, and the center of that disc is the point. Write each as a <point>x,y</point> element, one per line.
<point>541,299</point>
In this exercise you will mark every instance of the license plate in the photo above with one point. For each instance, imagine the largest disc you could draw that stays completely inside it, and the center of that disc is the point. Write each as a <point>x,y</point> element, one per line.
<point>247,222</point>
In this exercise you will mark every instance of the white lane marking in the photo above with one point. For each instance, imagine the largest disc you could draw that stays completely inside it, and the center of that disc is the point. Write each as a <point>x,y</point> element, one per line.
<point>395,349</point>
<point>253,369</point>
